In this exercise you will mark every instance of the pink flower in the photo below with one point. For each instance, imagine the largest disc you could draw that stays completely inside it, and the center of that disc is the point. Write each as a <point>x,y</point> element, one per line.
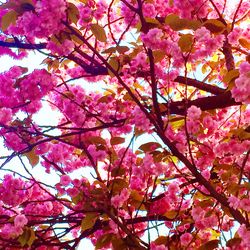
<point>149,10</point>
<point>241,90</point>
<point>5,115</point>
<point>119,199</point>
<point>20,221</point>
<point>202,34</point>
<point>245,236</point>
<point>153,38</point>
<point>234,202</point>
<point>245,204</point>
<point>153,246</point>
<point>194,112</point>
<point>186,239</point>
<point>65,180</point>
<point>206,174</point>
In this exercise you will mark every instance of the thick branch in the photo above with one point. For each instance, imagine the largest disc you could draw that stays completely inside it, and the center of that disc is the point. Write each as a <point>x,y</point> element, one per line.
<point>227,51</point>
<point>23,45</point>
<point>205,103</point>
<point>147,218</point>
<point>154,88</point>
<point>200,85</point>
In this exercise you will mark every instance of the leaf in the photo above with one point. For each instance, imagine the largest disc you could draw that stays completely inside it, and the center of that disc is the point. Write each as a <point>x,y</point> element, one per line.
<point>161,240</point>
<point>32,237</point>
<point>118,171</point>
<point>185,42</point>
<point>89,221</point>
<point>122,49</point>
<point>233,242</point>
<point>177,23</point>
<point>215,26</point>
<point>76,39</point>
<point>8,5</point>
<point>171,214</point>
<point>8,19</point>
<point>174,22</point>
<point>177,122</point>
<point>214,234</point>
<point>110,50</point>
<point>149,146</point>
<point>27,237</point>
<point>73,13</point>
<point>117,185</point>
<point>97,140</point>
<point>118,244</point>
<point>231,75</point>
<point>136,200</point>
<point>210,245</point>
<point>32,157</point>
<point>159,55</point>
<point>99,32</point>
<point>138,86</point>
<point>117,140</point>
<point>241,133</point>
<point>53,65</point>
<point>244,43</point>
<point>115,64</point>
<point>76,199</point>
<point>104,240</point>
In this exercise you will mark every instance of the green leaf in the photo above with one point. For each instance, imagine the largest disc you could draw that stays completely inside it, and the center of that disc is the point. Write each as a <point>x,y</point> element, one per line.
<point>8,19</point>
<point>32,157</point>
<point>99,32</point>
<point>186,42</point>
<point>117,140</point>
<point>89,221</point>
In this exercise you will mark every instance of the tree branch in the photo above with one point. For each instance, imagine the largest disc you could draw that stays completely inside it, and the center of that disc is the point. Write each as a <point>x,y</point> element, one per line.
<point>205,103</point>
<point>200,85</point>
<point>20,45</point>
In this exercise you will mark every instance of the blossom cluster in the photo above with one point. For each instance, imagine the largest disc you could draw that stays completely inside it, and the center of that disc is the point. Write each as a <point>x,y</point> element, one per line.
<point>241,90</point>
<point>41,20</point>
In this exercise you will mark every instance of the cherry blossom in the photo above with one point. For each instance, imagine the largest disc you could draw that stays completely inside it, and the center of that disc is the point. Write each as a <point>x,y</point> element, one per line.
<point>150,128</point>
